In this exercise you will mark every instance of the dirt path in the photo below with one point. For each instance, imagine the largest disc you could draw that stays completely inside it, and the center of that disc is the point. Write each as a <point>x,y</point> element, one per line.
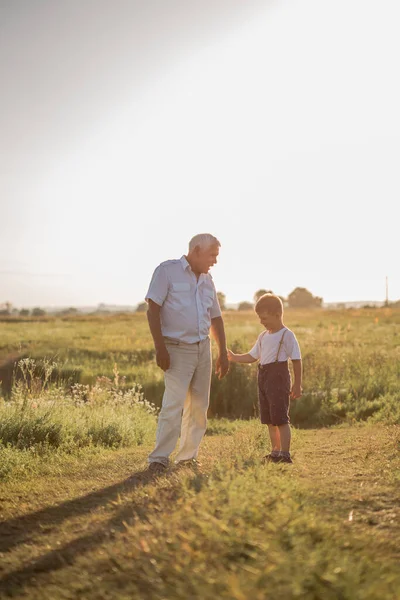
<point>48,523</point>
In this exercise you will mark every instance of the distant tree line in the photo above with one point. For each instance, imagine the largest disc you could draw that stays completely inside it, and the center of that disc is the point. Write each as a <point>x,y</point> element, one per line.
<point>299,298</point>
<point>7,310</point>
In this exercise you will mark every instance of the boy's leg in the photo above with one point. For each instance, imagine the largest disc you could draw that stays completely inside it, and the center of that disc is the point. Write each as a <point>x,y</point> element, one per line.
<point>285,437</point>
<point>285,433</point>
<point>274,435</point>
<point>279,396</point>
<point>265,416</point>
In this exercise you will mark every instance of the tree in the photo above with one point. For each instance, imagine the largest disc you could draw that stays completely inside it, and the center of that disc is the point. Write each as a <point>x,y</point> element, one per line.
<point>245,306</point>
<point>302,298</point>
<point>102,309</point>
<point>141,307</point>
<point>38,312</point>
<point>24,312</point>
<point>222,300</point>
<point>260,293</point>
<point>66,312</point>
<point>5,309</point>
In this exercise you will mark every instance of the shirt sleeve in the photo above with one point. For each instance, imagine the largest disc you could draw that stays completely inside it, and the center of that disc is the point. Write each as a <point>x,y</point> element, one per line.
<point>291,346</point>
<point>255,352</point>
<point>158,288</point>
<point>215,310</point>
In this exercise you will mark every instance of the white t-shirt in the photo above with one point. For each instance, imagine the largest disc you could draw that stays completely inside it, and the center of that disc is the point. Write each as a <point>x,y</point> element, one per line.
<point>187,304</point>
<point>266,348</point>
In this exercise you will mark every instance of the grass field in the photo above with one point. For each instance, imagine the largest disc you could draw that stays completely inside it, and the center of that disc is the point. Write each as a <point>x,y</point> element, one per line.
<point>80,517</point>
<point>351,359</point>
<point>325,528</point>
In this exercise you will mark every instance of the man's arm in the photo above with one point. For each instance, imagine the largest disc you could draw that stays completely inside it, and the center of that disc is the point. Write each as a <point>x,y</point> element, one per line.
<point>218,333</point>
<point>297,372</point>
<point>153,317</point>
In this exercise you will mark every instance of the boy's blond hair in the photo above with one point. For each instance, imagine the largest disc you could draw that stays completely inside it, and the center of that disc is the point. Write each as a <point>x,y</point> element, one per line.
<point>269,303</point>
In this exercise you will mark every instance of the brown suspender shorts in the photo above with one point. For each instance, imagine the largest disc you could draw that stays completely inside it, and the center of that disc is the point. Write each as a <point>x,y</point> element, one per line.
<point>274,391</point>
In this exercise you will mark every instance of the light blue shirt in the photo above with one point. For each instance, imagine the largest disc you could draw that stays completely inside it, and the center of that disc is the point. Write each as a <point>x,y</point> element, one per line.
<point>187,304</point>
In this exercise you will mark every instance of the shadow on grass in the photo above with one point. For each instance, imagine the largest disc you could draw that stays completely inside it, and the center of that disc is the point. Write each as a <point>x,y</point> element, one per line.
<point>21,530</point>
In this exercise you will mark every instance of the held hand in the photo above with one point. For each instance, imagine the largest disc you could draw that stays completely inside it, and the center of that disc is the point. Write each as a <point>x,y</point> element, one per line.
<point>296,391</point>
<point>222,366</point>
<point>162,358</point>
<point>231,356</point>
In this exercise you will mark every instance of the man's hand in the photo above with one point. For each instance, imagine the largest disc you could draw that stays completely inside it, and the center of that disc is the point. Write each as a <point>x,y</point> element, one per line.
<point>222,366</point>
<point>231,356</point>
<point>162,358</point>
<point>296,391</point>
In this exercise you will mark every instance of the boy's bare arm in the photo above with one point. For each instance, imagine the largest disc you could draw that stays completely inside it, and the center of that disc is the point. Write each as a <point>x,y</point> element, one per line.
<point>241,358</point>
<point>296,387</point>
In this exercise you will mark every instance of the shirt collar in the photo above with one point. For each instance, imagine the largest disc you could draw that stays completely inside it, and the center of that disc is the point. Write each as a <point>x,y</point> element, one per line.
<point>184,262</point>
<point>185,265</point>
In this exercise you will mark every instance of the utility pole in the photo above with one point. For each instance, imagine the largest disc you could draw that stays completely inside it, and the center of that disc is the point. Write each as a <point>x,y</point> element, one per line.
<point>387,292</point>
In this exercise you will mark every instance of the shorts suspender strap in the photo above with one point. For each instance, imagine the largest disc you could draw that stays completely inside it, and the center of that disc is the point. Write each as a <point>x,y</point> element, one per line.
<point>280,344</point>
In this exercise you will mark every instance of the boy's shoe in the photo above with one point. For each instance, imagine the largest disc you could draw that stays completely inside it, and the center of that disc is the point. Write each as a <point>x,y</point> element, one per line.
<point>283,459</point>
<point>267,458</point>
<point>270,458</point>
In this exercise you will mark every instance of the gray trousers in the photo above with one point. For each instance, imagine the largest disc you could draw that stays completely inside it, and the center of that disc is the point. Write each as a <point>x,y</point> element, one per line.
<point>185,401</point>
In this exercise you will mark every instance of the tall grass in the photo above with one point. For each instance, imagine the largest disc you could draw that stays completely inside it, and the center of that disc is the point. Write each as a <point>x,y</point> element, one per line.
<point>245,531</point>
<point>350,385</point>
<point>351,360</point>
<point>41,418</point>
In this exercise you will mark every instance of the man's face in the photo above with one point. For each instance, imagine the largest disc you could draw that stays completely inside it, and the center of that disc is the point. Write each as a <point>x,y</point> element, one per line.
<point>206,258</point>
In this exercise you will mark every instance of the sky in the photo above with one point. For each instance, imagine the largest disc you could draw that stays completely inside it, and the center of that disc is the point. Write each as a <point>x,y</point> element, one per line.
<point>127,127</point>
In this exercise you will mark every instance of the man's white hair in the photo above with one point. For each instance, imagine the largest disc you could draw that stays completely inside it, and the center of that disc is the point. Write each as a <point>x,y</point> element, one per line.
<point>204,240</point>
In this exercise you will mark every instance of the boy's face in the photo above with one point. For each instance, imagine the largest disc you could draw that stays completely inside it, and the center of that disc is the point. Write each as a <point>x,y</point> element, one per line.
<point>269,320</point>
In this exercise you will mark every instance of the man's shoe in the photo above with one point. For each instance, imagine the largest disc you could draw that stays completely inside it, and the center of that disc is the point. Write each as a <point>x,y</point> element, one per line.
<point>192,463</point>
<point>156,468</point>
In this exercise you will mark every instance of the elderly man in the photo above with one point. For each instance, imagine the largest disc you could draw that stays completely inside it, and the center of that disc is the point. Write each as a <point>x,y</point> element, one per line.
<point>182,308</point>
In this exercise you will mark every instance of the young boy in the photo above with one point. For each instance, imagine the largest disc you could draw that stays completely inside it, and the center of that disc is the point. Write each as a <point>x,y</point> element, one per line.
<point>272,349</point>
